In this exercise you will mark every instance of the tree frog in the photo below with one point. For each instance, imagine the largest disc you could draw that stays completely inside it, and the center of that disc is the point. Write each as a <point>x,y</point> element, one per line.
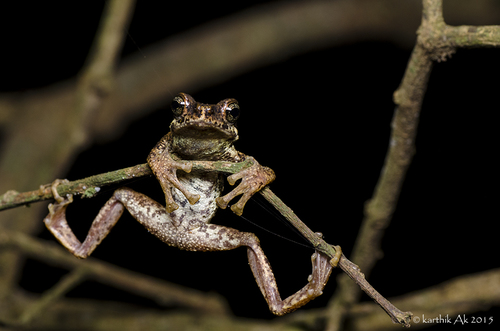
<point>198,132</point>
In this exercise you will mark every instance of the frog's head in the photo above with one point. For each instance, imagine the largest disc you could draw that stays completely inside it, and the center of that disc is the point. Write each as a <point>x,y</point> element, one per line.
<point>203,121</point>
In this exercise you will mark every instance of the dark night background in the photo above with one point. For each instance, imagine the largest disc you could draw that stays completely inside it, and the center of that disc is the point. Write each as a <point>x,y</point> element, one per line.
<point>321,120</point>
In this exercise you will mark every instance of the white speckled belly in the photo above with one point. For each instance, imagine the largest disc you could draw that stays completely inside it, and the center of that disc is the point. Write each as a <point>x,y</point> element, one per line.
<point>209,186</point>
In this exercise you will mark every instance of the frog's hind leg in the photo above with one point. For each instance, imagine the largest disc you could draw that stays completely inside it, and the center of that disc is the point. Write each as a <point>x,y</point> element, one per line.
<point>140,206</point>
<point>212,237</point>
<point>321,270</point>
<point>57,224</point>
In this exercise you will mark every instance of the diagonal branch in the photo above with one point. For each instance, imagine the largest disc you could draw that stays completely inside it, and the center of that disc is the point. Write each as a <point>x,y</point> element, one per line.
<point>75,277</point>
<point>352,270</point>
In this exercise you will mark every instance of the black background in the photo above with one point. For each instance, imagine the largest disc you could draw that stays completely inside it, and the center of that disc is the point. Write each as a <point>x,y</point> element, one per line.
<point>321,120</point>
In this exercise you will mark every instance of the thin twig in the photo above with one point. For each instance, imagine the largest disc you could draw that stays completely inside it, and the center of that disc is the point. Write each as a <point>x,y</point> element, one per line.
<point>44,147</point>
<point>461,295</point>
<point>347,266</point>
<point>75,277</point>
<point>90,186</point>
<point>379,209</point>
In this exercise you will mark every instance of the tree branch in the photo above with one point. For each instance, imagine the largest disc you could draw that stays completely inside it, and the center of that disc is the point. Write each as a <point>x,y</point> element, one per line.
<point>461,295</point>
<point>352,270</point>
<point>436,41</point>
<point>488,35</point>
<point>37,131</point>
<point>67,282</point>
<point>90,186</point>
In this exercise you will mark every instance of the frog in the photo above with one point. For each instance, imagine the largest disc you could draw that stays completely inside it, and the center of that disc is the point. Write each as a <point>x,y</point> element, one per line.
<point>198,132</point>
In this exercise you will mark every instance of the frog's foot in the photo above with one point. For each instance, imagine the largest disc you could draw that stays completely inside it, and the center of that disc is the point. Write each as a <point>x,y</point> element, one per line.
<point>321,270</point>
<point>253,179</point>
<point>53,188</point>
<point>168,180</point>
<point>59,208</point>
<point>338,254</point>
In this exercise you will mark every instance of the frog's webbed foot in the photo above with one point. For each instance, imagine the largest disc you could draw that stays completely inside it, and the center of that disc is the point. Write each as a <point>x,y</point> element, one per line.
<point>168,180</point>
<point>253,179</point>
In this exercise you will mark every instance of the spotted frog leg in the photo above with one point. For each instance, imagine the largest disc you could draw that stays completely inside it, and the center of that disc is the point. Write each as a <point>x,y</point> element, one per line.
<point>193,235</point>
<point>321,271</point>
<point>253,179</point>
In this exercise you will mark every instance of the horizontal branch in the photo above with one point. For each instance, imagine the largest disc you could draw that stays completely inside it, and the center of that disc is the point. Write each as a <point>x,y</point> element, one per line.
<point>474,36</point>
<point>440,40</point>
<point>91,186</point>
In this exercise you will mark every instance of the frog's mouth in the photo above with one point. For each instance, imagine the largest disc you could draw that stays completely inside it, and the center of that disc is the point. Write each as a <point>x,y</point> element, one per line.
<point>204,130</point>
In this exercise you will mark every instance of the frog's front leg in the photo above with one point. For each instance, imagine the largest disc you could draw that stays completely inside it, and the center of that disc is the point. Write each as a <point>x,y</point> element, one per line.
<point>253,179</point>
<point>165,169</point>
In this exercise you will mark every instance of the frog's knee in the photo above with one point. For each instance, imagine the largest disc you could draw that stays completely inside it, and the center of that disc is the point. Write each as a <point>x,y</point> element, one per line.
<point>127,196</point>
<point>249,239</point>
<point>123,192</point>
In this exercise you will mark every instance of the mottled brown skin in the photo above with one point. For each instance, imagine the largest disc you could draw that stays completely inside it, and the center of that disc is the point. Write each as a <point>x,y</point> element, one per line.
<point>198,132</point>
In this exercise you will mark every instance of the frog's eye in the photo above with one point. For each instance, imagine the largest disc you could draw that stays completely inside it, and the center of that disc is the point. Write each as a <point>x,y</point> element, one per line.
<point>178,104</point>
<point>232,112</point>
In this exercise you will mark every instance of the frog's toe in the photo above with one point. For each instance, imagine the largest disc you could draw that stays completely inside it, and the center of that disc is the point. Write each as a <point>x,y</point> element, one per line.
<point>170,181</point>
<point>252,180</point>
<point>321,271</point>
<point>60,205</point>
<point>338,254</point>
<point>170,206</point>
<point>192,198</point>
<point>234,177</point>
<point>222,202</point>
<point>237,208</point>
<point>57,197</point>
<point>186,166</point>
